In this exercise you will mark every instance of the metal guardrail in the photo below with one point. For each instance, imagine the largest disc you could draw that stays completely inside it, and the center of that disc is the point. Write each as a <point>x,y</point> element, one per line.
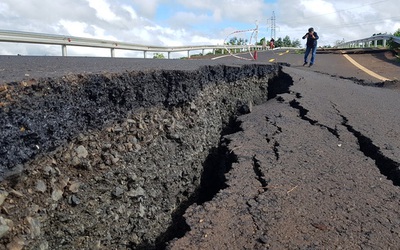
<point>64,41</point>
<point>370,41</point>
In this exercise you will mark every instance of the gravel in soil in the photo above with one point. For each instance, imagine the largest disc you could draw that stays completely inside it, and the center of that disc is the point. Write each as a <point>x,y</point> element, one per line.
<point>103,161</point>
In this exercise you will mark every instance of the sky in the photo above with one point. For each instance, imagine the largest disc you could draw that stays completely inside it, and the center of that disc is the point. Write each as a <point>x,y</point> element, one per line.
<point>191,22</point>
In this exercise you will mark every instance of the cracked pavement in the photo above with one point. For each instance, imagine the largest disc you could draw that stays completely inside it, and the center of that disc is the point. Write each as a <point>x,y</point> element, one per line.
<point>314,168</point>
<point>317,168</point>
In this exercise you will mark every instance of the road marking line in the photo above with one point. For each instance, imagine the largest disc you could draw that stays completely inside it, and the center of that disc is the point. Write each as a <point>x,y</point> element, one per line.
<point>369,72</point>
<point>271,60</point>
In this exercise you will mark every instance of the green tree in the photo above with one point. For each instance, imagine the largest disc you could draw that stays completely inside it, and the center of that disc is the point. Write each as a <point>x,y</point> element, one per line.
<point>391,43</point>
<point>286,42</point>
<point>262,41</point>
<point>237,41</point>
<point>278,43</point>
<point>296,43</point>
<point>233,41</point>
<point>158,56</point>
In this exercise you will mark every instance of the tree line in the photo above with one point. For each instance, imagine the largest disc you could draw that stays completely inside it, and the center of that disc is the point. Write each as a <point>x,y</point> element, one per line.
<point>280,42</point>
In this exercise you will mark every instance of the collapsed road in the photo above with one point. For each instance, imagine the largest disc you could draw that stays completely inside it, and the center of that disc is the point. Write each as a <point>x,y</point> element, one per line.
<point>108,160</point>
<point>316,168</point>
<point>244,156</point>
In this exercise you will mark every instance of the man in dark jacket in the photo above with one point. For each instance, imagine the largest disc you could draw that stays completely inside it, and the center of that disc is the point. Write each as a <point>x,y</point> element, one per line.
<point>312,38</point>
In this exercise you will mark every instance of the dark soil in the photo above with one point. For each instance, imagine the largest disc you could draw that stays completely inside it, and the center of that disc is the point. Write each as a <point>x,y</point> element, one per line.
<point>112,160</point>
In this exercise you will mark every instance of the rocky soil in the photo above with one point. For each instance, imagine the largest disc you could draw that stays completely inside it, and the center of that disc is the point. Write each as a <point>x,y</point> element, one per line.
<point>111,161</point>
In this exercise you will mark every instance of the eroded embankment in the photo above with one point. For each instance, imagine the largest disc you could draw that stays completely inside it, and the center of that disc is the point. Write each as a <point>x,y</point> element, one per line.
<point>105,161</point>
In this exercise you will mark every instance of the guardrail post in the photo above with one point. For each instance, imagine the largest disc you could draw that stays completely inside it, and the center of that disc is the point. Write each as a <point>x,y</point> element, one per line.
<point>64,50</point>
<point>112,52</point>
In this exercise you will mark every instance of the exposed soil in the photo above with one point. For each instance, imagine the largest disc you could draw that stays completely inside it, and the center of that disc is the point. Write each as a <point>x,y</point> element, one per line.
<point>110,161</point>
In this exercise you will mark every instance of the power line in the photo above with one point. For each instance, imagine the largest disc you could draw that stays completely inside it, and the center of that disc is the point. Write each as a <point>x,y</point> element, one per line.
<point>343,25</point>
<point>358,7</point>
<point>363,23</point>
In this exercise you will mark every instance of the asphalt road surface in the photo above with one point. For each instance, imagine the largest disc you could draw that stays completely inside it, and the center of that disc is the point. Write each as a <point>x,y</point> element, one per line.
<point>318,167</point>
<point>24,68</point>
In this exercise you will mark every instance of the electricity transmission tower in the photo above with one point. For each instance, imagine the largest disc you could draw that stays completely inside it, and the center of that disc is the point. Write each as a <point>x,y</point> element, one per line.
<point>273,25</point>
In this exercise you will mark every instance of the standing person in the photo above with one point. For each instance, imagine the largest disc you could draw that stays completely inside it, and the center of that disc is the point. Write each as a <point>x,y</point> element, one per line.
<point>312,38</point>
<point>272,43</point>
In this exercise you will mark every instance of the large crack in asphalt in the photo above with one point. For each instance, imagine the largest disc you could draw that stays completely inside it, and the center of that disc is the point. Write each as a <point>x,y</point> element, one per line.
<point>259,174</point>
<point>122,156</point>
<point>363,82</point>
<point>387,167</point>
<point>218,162</point>
<point>274,144</point>
<point>303,114</point>
<point>217,165</point>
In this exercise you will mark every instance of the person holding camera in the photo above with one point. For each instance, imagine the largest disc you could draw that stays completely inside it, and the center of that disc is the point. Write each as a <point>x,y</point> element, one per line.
<point>312,38</point>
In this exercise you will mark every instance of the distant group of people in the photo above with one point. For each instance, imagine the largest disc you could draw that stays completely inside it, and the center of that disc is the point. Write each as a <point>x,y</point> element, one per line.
<point>311,46</point>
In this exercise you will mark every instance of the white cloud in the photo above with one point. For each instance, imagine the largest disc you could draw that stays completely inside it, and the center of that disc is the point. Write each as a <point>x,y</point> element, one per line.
<point>131,11</point>
<point>80,29</point>
<point>147,8</point>
<point>103,10</point>
<point>194,22</point>
<point>238,10</point>
<point>205,40</point>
